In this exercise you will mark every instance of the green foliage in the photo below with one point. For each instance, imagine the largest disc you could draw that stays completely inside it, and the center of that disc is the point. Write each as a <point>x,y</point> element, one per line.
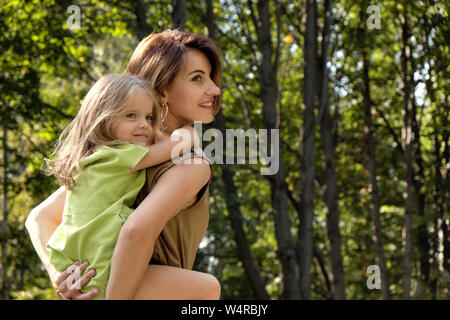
<point>47,68</point>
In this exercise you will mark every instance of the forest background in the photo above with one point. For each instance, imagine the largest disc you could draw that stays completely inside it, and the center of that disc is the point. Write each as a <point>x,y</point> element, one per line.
<point>358,90</point>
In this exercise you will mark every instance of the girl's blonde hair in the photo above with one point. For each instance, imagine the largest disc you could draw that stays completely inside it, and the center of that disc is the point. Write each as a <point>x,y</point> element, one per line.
<point>93,125</point>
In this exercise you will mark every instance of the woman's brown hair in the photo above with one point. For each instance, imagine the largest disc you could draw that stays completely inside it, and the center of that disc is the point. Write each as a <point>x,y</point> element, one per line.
<point>160,56</point>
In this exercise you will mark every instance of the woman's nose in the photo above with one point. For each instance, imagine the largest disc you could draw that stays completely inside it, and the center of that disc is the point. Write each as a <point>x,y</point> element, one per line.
<point>213,90</point>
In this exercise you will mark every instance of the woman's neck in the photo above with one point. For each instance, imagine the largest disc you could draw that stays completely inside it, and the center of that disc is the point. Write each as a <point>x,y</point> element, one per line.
<point>171,123</point>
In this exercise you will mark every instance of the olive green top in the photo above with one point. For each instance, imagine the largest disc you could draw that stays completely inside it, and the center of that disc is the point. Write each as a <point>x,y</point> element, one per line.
<point>179,240</point>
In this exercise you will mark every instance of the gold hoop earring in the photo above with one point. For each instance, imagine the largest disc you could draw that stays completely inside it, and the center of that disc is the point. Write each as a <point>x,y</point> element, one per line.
<point>165,112</point>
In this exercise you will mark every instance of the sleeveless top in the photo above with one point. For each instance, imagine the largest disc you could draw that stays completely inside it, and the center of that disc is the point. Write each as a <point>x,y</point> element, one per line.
<point>178,242</point>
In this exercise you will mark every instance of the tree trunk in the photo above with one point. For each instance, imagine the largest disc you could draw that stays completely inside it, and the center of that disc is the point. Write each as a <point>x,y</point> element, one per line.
<point>179,14</point>
<point>373,186</point>
<point>268,93</point>
<point>439,191</point>
<point>329,294</point>
<point>234,211</point>
<point>305,230</point>
<point>422,233</point>
<point>316,250</point>
<point>408,158</point>
<point>437,204</point>
<point>331,194</point>
<point>4,226</point>
<point>235,216</point>
<point>210,19</point>
<point>445,225</point>
<point>140,10</point>
<point>236,220</point>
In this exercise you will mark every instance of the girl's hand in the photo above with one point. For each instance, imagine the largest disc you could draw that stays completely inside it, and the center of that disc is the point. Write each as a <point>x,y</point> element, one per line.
<point>159,136</point>
<point>189,136</point>
<point>68,284</point>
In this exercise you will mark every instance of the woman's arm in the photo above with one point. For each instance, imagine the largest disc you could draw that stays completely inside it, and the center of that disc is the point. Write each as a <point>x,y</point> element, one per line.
<point>134,248</point>
<point>180,142</point>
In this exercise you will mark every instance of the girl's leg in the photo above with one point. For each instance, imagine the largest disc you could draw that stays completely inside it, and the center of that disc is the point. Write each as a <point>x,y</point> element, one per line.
<point>171,283</point>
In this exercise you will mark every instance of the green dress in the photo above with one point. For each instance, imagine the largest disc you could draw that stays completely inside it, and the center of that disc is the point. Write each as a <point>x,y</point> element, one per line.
<point>95,210</point>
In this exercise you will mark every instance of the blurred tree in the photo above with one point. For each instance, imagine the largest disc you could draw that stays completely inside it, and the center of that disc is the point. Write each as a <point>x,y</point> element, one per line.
<point>348,111</point>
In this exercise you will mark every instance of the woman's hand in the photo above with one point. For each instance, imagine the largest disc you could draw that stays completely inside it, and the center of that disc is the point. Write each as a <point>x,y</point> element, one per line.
<point>68,284</point>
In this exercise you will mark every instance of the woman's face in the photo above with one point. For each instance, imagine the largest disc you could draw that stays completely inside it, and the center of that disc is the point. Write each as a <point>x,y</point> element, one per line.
<point>191,93</point>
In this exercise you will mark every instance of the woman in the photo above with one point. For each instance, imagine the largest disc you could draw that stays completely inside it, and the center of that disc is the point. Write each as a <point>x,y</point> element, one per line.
<point>185,71</point>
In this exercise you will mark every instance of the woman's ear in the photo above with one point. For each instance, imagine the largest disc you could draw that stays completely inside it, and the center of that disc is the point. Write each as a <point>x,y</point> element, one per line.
<point>163,96</point>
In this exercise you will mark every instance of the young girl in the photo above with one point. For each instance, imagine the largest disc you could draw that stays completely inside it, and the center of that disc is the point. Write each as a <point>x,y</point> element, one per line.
<point>97,159</point>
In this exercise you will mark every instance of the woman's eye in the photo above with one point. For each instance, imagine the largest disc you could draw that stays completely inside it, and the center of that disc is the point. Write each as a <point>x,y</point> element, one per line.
<point>131,115</point>
<point>197,78</point>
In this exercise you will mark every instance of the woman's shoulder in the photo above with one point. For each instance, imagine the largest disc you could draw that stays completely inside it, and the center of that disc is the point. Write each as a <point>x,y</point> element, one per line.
<point>193,165</point>
<point>187,177</point>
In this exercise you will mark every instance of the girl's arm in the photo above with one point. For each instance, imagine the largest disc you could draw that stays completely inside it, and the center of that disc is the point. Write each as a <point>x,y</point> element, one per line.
<point>180,142</point>
<point>134,248</point>
<point>41,223</point>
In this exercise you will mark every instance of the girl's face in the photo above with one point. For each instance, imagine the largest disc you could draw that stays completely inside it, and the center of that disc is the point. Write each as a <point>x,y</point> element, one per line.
<point>191,93</point>
<point>135,123</point>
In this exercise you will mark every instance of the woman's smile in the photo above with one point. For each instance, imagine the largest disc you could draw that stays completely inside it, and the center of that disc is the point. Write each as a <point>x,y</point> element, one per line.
<point>208,105</point>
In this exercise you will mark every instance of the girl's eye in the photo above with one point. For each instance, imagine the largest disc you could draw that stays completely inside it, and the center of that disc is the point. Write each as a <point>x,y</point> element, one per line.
<point>131,115</point>
<point>150,118</point>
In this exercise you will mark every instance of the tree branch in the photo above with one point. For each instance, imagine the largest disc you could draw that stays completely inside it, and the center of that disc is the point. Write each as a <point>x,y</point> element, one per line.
<point>391,131</point>
<point>65,115</point>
